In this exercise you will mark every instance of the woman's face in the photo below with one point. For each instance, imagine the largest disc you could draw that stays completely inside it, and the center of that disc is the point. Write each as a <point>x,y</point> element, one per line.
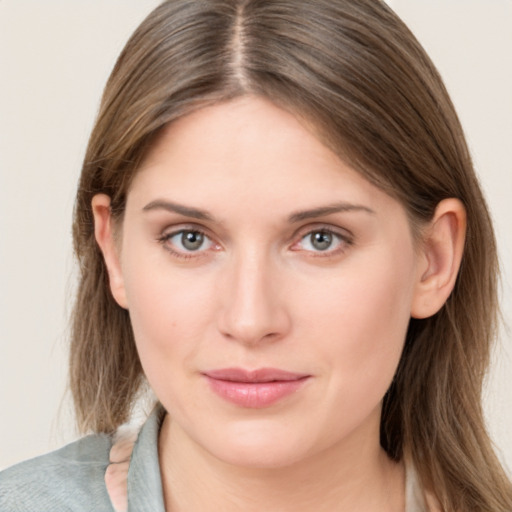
<point>269,286</point>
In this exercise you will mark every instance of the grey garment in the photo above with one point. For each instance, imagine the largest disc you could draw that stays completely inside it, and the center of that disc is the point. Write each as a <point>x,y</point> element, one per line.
<point>73,478</point>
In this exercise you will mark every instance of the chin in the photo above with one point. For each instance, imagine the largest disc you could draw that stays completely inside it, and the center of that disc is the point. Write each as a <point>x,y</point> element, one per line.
<point>258,446</point>
<point>258,457</point>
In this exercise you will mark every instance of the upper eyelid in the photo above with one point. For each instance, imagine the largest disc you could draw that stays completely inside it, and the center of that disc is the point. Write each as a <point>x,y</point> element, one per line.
<point>174,230</point>
<point>321,226</point>
<point>215,233</point>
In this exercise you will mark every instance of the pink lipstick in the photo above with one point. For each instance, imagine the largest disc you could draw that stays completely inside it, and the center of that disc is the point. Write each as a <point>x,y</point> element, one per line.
<point>254,389</point>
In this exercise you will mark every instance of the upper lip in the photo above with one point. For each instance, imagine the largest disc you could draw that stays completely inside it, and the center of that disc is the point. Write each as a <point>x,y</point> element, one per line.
<point>257,375</point>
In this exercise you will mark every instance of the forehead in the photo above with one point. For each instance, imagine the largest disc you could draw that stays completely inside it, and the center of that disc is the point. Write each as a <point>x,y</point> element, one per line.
<point>235,131</point>
<point>248,150</point>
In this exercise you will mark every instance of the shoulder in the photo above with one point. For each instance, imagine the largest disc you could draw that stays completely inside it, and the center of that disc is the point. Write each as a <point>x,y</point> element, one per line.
<point>71,478</point>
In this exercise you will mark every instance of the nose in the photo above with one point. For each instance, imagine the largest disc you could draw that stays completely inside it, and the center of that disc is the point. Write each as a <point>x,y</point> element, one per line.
<point>253,305</point>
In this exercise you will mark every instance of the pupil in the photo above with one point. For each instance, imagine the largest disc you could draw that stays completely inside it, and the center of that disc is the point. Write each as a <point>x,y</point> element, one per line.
<point>192,240</point>
<point>321,240</point>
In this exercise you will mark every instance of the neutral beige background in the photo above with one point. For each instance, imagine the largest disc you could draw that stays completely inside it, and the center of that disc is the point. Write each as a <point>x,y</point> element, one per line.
<point>54,59</point>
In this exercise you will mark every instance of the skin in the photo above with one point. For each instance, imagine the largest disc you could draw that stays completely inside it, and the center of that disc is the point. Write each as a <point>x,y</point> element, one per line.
<point>259,293</point>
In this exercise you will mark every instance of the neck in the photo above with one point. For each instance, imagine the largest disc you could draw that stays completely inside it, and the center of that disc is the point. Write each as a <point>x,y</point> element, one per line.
<point>352,476</point>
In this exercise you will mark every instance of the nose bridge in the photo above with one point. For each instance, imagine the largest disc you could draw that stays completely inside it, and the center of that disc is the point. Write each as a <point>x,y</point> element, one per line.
<point>253,305</point>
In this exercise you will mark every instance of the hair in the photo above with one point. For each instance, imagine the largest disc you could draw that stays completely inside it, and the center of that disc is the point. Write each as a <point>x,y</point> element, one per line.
<point>354,71</point>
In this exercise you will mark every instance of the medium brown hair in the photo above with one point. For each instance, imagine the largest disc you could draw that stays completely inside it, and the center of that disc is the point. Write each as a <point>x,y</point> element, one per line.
<point>355,72</point>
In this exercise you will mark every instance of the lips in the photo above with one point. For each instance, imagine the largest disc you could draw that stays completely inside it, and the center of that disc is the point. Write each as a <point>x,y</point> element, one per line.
<point>254,389</point>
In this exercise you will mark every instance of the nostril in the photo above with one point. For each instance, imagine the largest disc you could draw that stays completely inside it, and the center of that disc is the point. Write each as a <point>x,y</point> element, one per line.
<point>254,333</point>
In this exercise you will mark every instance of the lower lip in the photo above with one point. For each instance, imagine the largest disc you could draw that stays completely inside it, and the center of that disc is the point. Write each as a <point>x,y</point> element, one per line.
<point>254,395</point>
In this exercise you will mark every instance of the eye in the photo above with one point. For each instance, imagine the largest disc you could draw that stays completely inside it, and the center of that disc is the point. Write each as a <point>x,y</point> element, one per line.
<point>187,241</point>
<point>322,241</point>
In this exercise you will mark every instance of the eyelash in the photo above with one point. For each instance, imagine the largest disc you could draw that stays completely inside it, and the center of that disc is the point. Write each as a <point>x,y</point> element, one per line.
<point>166,237</point>
<point>344,241</point>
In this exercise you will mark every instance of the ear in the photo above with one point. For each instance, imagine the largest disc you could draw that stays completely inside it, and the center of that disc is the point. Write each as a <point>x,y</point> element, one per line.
<point>104,233</point>
<point>441,254</point>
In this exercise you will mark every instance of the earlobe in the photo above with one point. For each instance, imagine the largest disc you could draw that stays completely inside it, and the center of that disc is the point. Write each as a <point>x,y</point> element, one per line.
<point>104,234</point>
<point>441,256</point>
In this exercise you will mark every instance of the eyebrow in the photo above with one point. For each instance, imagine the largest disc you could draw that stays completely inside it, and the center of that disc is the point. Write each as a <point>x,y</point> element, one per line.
<point>321,211</point>
<point>196,213</point>
<point>187,211</point>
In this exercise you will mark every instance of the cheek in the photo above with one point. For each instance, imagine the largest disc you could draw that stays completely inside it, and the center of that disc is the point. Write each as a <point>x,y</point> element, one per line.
<point>170,314</point>
<point>361,319</point>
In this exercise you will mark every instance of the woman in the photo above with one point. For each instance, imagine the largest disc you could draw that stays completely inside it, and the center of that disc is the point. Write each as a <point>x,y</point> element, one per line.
<point>278,226</point>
